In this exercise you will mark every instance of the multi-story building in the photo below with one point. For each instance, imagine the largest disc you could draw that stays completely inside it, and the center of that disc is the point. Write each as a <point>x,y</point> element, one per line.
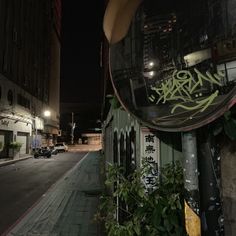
<point>29,73</point>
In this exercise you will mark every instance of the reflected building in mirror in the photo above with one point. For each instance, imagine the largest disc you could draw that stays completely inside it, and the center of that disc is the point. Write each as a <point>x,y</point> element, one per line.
<point>175,68</point>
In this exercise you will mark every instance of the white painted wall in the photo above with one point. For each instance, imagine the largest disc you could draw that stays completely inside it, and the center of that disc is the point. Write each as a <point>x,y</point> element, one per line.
<point>23,141</point>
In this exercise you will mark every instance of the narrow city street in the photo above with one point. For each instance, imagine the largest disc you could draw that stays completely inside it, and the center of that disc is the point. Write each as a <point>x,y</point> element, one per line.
<point>24,183</point>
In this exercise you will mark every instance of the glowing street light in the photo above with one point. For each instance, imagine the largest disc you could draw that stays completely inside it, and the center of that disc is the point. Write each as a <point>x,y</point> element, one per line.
<point>47,113</point>
<point>151,64</point>
<point>151,73</point>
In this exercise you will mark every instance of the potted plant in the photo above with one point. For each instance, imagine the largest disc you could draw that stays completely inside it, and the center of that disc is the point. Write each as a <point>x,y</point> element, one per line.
<point>14,149</point>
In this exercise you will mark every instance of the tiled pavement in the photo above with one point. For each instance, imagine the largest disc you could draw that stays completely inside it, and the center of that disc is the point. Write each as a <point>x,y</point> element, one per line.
<point>68,208</point>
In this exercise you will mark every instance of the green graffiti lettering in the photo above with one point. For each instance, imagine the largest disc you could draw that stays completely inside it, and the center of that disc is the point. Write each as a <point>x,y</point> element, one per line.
<point>205,103</point>
<point>183,85</point>
<point>151,98</point>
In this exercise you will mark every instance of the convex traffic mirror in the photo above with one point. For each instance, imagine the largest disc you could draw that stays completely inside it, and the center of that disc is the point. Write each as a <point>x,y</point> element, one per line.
<point>175,68</point>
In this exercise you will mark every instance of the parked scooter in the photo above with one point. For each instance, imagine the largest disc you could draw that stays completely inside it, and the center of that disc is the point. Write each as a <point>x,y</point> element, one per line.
<point>43,151</point>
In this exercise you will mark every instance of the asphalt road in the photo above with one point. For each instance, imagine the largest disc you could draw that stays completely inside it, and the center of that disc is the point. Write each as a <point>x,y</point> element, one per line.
<point>22,184</point>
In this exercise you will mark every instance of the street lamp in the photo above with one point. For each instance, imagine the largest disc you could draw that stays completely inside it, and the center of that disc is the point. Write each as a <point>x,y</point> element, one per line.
<point>47,113</point>
<point>72,128</point>
<point>151,64</point>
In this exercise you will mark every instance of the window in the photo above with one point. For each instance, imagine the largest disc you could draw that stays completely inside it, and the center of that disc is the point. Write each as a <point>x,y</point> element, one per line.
<point>23,101</point>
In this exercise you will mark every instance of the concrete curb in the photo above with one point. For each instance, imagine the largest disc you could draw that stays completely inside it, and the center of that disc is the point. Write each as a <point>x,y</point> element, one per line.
<point>4,163</point>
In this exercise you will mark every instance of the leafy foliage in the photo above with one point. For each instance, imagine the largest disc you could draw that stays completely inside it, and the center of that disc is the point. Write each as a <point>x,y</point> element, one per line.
<point>15,145</point>
<point>157,213</point>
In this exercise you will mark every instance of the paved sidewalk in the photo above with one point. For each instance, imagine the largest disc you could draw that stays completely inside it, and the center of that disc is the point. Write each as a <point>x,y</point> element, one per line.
<point>8,161</point>
<point>68,208</point>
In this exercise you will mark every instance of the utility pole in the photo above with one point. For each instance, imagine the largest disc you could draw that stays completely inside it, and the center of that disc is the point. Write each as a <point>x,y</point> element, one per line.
<point>191,185</point>
<point>72,128</point>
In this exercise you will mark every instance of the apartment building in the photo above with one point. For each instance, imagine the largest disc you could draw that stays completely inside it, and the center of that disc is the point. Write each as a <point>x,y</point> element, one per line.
<point>29,73</point>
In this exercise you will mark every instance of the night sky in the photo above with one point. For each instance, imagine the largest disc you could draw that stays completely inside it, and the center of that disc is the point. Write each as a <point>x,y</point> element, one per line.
<point>80,55</point>
<point>81,36</point>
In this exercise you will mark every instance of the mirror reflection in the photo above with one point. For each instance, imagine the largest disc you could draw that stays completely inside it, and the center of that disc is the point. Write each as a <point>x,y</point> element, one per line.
<point>176,68</point>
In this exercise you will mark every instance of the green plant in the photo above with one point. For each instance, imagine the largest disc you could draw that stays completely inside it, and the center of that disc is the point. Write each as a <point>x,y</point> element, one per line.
<point>157,213</point>
<point>15,145</point>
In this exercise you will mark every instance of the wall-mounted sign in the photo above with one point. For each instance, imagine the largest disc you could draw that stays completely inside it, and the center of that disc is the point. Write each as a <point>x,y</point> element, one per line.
<point>150,153</point>
<point>165,71</point>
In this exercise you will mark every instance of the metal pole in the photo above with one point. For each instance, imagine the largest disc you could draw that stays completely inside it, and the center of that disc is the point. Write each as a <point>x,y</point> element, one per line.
<point>34,134</point>
<point>36,137</point>
<point>190,168</point>
<point>72,127</point>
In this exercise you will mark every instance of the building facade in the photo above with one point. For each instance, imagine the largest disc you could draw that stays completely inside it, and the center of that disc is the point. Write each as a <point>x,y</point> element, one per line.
<point>29,73</point>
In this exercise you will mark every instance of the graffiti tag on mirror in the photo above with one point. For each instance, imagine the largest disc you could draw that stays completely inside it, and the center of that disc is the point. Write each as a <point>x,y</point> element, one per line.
<point>188,90</point>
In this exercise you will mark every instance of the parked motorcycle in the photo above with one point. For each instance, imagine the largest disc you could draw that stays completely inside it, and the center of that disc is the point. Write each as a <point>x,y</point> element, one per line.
<point>43,151</point>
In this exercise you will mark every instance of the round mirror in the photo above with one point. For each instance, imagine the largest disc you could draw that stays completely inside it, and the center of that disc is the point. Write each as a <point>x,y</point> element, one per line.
<point>175,69</point>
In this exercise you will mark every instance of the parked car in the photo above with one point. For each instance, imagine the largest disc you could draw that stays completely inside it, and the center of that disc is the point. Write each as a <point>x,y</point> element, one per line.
<point>61,147</point>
